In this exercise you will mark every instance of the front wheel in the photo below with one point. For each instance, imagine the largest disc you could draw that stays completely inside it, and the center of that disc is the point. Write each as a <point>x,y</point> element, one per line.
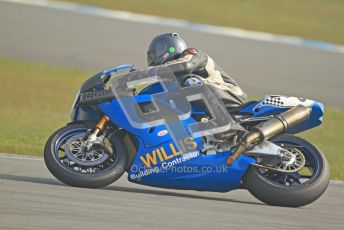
<point>291,189</point>
<point>68,161</point>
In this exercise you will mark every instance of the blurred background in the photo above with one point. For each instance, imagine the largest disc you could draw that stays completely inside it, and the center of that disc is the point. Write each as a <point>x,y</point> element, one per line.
<point>47,49</point>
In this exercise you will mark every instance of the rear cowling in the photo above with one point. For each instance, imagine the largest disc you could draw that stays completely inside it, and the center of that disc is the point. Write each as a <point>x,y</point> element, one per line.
<point>274,105</point>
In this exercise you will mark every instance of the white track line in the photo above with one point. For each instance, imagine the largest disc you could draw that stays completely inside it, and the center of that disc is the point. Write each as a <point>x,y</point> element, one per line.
<point>19,157</point>
<point>155,20</point>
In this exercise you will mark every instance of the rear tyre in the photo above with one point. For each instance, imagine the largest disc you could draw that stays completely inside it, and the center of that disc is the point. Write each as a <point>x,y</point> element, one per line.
<point>105,166</point>
<point>291,189</point>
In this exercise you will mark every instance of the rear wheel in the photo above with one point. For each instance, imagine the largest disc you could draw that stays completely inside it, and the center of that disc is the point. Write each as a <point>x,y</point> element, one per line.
<point>291,189</point>
<point>68,161</point>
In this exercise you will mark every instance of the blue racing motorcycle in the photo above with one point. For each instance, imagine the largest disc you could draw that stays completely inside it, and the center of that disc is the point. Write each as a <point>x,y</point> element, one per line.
<point>257,151</point>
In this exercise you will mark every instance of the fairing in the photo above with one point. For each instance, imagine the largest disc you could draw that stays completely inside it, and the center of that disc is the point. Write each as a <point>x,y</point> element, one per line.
<point>158,161</point>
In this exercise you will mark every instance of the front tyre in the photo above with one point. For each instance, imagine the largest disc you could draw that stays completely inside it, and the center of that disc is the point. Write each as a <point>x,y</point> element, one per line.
<point>101,166</point>
<point>291,189</point>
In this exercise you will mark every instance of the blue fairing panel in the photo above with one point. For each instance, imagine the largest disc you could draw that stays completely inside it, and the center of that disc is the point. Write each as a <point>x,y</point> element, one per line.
<point>152,89</point>
<point>263,110</point>
<point>178,169</point>
<point>149,135</point>
<point>200,172</point>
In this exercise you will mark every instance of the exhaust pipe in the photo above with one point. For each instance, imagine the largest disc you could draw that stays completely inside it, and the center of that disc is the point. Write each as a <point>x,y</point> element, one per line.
<point>272,128</point>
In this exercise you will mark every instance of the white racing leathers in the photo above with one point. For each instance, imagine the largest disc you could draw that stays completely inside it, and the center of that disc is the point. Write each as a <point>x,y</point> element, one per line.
<point>196,62</point>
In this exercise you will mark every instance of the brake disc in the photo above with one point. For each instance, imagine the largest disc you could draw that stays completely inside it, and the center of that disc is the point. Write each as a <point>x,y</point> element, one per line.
<point>293,161</point>
<point>75,150</point>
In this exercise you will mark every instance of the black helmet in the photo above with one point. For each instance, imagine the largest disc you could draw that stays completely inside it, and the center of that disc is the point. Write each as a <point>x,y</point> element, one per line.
<point>165,47</point>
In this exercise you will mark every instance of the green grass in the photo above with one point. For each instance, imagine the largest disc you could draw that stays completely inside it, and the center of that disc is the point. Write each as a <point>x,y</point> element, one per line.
<point>312,19</point>
<point>329,137</point>
<point>36,100</point>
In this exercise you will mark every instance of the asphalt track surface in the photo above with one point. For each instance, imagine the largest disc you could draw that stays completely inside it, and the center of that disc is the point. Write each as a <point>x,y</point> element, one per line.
<point>89,42</point>
<point>30,198</point>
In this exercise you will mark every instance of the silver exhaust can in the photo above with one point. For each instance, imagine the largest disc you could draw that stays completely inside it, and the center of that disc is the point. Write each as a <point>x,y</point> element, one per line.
<point>283,122</point>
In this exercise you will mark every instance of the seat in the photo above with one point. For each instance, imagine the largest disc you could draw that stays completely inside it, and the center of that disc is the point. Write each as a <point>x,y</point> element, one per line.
<point>237,109</point>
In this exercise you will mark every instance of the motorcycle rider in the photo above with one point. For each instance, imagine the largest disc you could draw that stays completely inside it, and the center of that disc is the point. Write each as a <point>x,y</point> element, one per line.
<point>170,50</point>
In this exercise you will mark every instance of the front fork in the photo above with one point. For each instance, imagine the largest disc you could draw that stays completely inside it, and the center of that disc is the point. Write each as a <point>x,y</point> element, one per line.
<point>94,132</point>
